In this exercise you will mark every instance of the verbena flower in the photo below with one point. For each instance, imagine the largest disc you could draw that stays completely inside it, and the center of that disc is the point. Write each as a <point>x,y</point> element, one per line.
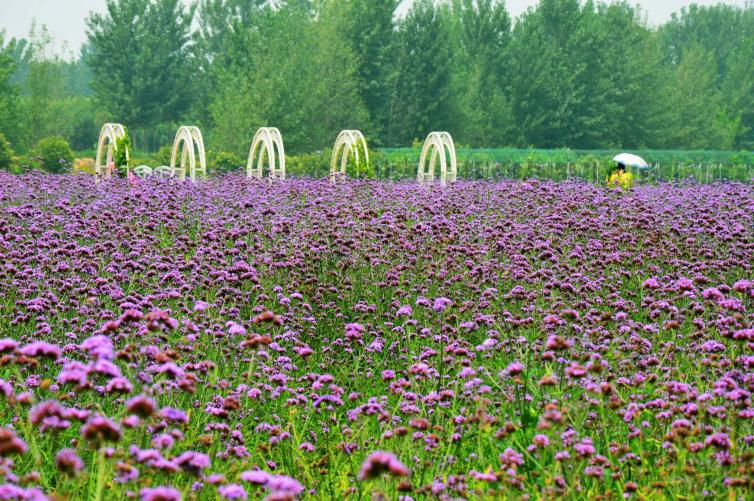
<point>381,462</point>
<point>159,494</point>
<point>10,444</point>
<point>68,462</point>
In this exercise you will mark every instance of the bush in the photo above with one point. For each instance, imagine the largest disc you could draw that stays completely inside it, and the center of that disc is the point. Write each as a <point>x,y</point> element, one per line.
<point>6,153</point>
<point>361,169</point>
<point>122,151</point>
<point>224,161</point>
<point>313,165</point>
<point>163,155</point>
<point>54,154</point>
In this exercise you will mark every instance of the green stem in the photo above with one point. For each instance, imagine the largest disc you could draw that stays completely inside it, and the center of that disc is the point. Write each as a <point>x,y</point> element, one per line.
<point>100,475</point>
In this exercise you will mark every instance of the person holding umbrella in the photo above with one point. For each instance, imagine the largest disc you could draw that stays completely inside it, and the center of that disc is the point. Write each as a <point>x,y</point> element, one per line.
<point>619,177</point>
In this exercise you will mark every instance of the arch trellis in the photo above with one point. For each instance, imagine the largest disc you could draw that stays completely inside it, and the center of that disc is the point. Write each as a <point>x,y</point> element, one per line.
<point>189,141</point>
<point>267,143</point>
<point>108,136</point>
<point>346,142</point>
<point>438,145</point>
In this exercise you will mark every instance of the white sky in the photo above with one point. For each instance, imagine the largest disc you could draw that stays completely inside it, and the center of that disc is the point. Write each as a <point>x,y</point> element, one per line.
<point>65,18</point>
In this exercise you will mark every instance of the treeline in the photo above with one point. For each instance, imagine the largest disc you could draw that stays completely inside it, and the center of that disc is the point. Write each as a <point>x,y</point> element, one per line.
<point>567,73</point>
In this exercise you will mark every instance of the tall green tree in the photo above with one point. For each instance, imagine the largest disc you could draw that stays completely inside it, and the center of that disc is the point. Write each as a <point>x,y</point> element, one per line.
<point>370,30</point>
<point>218,19</point>
<point>574,73</point>
<point>50,94</point>
<point>44,88</point>
<point>481,68</point>
<point>420,96</point>
<point>291,69</point>
<point>547,79</point>
<point>587,76</point>
<point>626,103</point>
<point>738,88</point>
<point>700,119</point>
<point>725,33</point>
<point>10,119</point>
<point>139,53</point>
<point>717,29</point>
<point>219,38</point>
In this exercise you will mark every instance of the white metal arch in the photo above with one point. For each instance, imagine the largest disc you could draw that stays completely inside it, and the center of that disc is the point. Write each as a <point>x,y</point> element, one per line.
<point>347,141</point>
<point>189,141</point>
<point>267,143</point>
<point>438,144</point>
<point>108,136</point>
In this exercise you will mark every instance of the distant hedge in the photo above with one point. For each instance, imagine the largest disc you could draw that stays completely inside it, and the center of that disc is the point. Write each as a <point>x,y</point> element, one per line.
<point>542,156</point>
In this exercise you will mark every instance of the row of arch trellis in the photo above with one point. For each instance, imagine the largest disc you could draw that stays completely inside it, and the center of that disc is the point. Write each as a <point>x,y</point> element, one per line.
<point>188,157</point>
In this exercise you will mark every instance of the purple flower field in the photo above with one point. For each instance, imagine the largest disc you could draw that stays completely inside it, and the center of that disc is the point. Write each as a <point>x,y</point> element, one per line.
<point>371,340</point>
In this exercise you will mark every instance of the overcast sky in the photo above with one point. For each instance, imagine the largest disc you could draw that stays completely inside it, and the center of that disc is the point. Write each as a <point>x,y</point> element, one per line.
<point>65,18</point>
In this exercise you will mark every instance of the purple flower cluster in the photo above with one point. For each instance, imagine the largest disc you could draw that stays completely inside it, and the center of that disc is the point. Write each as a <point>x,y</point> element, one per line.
<point>237,339</point>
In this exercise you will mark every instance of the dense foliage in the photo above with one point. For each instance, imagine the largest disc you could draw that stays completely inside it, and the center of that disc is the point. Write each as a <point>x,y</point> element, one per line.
<point>223,162</point>
<point>235,339</point>
<point>53,154</point>
<point>140,60</point>
<point>567,73</point>
<point>6,153</point>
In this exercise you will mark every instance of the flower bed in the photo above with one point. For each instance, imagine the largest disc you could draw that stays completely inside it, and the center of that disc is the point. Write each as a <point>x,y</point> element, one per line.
<point>234,339</point>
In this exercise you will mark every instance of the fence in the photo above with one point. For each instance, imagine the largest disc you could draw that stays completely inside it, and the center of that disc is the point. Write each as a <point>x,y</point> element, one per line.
<point>586,171</point>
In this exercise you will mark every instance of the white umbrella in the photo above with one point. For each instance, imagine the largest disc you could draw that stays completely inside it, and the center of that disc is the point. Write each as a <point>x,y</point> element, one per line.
<point>632,160</point>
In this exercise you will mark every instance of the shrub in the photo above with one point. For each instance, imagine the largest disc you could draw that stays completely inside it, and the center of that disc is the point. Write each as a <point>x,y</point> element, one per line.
<point>122,150</point>
<point>313,165</point>
<point>163,155</point>
<point>361,169</point>
<point>54,154</point>
<point>317,165</point>
<point>224,161</point>
<point>22,163</point>
<point>6,153</point>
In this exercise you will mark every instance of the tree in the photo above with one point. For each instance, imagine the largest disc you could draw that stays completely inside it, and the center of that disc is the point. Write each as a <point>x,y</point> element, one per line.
<point>6,153</point>
<point>420,95</point>
<point>482,68</point>
<point>336,103</point>
<point>77,75</point>
<point>44,88</point>
<point>585,74</point>
<point>716,29</point>
<point>289,71</point>
<point>370,31</point>
<point>547,79</point>
<point>700,119</point>
<point>739,88</point>
<point>221,25</point>
<point>626,103</point>
<point>588,76</point>
<point>738,83</point>
<point>139,53</point>
<point>724,33</point>
<point>10,123</point>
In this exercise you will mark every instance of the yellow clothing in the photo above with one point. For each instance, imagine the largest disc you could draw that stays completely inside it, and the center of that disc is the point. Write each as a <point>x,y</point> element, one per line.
<point>620,179</point>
